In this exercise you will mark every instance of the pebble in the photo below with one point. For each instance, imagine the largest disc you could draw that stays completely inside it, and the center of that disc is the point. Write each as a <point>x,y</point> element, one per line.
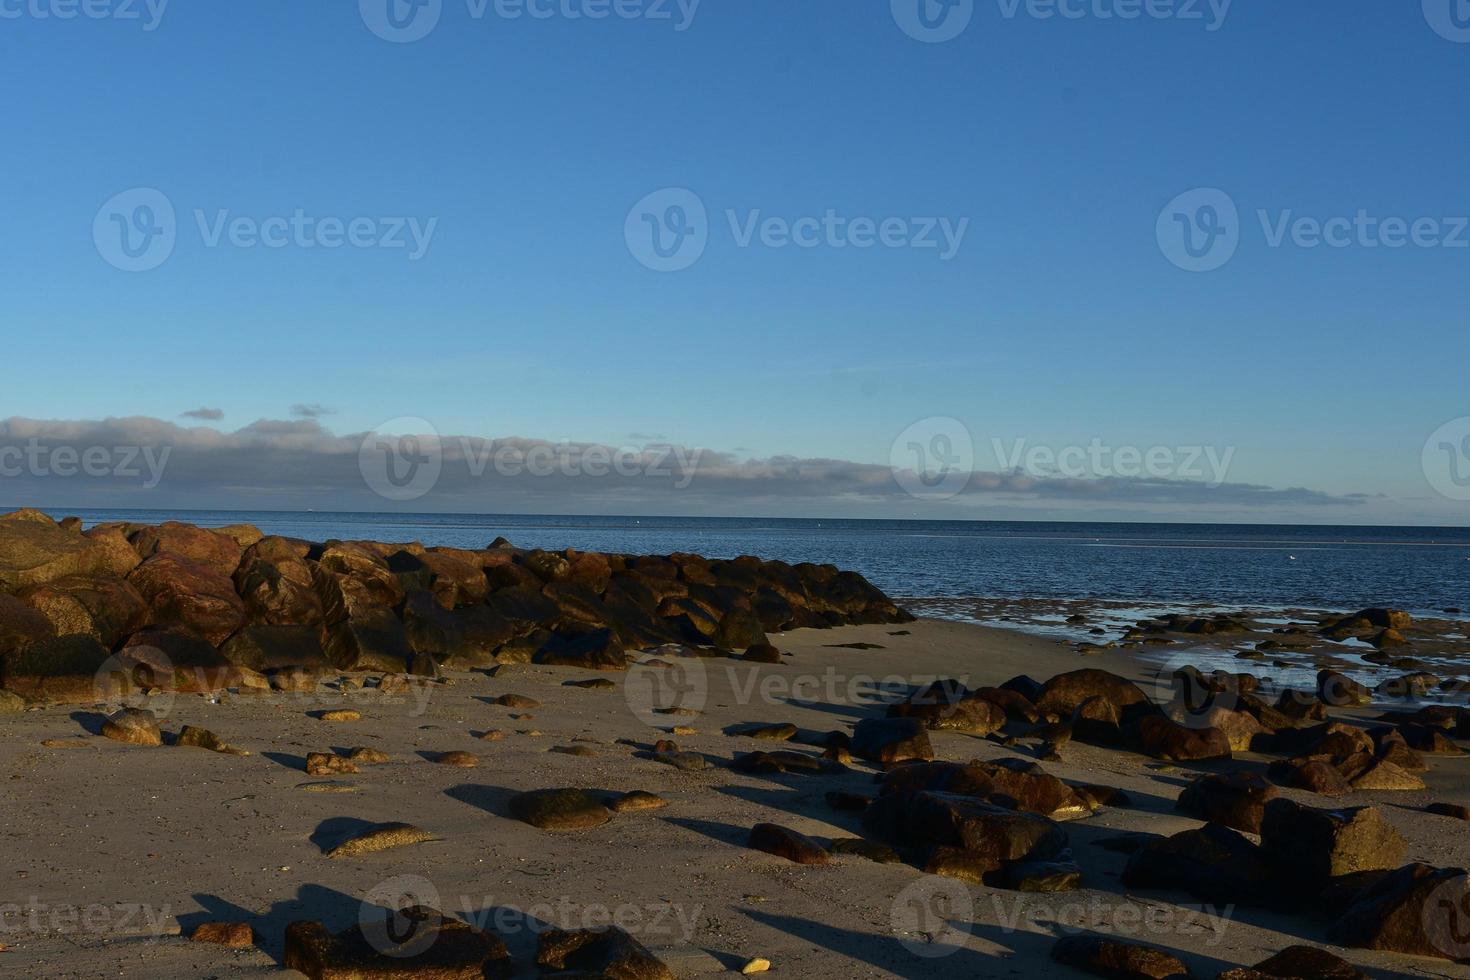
<point>341,714</point>
<point>380,838</point>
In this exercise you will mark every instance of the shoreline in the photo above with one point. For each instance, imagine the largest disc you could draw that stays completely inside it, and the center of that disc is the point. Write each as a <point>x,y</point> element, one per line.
<point>212,836</point>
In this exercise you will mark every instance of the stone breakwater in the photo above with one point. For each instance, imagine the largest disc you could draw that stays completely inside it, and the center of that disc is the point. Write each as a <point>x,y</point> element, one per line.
<point>178,607</point>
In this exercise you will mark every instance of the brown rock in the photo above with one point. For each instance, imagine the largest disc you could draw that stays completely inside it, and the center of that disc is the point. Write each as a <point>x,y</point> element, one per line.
<point>198,597</point>
<point>103,607</point>
<point>1417,909</point>
<point>1314,845</point>
<point>888,740</point>
<point>218,551</point>
<point>609,952</point>
<point>1337,689</point>
<point>416,942</point>
<point>1236,799</point>
<point>1299,963</point>
<point>328,764</point>
<point>1157,736</point>
<point>382,837</point>
<point>559,809</point>
<point>236,935</point>
<point>787,844</point>
<point>1105,957</point>
<point>464,760</point>
<point>134,726</point>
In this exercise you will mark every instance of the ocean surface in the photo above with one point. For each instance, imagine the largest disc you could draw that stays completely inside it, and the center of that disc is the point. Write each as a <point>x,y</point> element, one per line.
<point>1423,570</point>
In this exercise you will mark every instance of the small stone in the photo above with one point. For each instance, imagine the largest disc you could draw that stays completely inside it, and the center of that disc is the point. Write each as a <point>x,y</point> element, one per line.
<point>328,787</point>
<point>65,743</point>
<point>380,838</point>
<point>872,850</point>
<point>202,738</point>
<point>757,965</point>
<point>236,935</point>
<point>366,756</point>
<point>328,764</point>
<point>685,761</point>
<point>134,726</point>
<point>341,714</point>
<point>683,730</point>
<point>787,843</point>
<point>770,733</point>
<point>517,701</point>
<point>595,684</point>
<point>578,750</point>
<point>493,735</point>
<point>464,760</point>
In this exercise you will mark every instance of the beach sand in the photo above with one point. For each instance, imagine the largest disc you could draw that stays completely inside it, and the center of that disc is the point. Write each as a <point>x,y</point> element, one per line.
<point>111,851</point>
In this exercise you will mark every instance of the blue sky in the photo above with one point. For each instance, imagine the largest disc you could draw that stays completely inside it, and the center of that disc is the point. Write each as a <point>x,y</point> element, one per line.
<point>1058,141</point>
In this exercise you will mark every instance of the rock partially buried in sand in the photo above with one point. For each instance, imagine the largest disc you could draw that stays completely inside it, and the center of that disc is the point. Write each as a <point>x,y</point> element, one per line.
<point>1298,962</point>
<point>134,726</point>
<point>191,736</point>
<point>762,653</point>
<point>328,764</point>
<point>636,801</point>
<point>608,952</point>
<point>382,837</point>
<point>560,809</point>
<point>1114,958</point>
<point>517,701</point>
<point>464,760</point>
<point>341,714</point>
<point>769,733</point>
<point>415,942</point>
<point>235,935</point>
<point>1236,799</point>
<point>872,850</point>
<point>327,787</point>
<point>595,684</point>
<point>787,843</point>
<point>367,756</point>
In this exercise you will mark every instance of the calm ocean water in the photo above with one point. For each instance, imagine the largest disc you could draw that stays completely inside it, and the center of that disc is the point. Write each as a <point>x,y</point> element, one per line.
<point>1419,569</point>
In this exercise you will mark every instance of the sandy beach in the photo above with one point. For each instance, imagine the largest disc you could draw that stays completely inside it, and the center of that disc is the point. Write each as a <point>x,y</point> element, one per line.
<point>116,852</point>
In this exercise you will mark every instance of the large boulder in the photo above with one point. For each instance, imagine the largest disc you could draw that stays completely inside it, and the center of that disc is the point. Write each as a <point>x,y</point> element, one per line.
<point>598,650</point>
<point>184,593</point>
<point>1236,799</point>
<point>278,586</point>
<point>1157,736</point>
<point>218,551</point>
<point>947,706</point>
<point>410,942</point>
<point>21,625</point>
<point>34,549</point>
<point>449,577</point>
<point>1214,864</point>
<point>1417,910</point>
<point>176,660</point>
<point>1012,784</point>
<point>989,836</point>
<point>373,640</point>
<point>1313,845</point>
<point>1338,690</point>
<point>267,648</point>
<point>63,669</point>
<point>352,578</point>
<point>889,740</point>
<point>1106,701</point>
<point>103,607</point>
<point>1298,963</point>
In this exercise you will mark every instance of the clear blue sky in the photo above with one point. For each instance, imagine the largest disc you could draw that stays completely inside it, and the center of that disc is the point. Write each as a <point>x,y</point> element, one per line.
<point>1059,320</point>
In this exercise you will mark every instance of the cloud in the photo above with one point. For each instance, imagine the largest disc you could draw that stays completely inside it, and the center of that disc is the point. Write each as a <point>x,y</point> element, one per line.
<point>312,410</point>
<point>298,463</point>
<point>204,414</point>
